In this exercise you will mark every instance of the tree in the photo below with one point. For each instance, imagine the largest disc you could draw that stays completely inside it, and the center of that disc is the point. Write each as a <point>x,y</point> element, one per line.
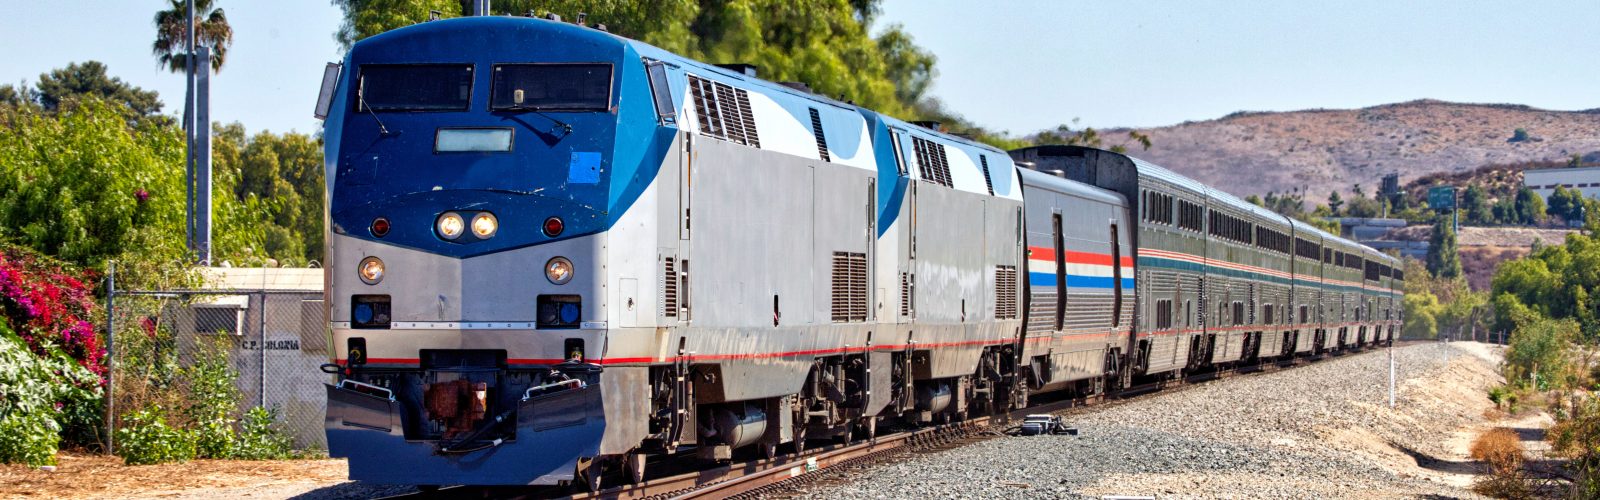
<point>1334,202</point>
<point>1563,203</point>
<point>1575,161</point>
<point>1362,207</point>
<point>1475,205</point>
<point>1444,258</point>
<point>1529,207</point>
<point>11,96</point>
<point>84,185</point>
<point>79,80</point>
<point>212,31</point>
<point>825,44</point>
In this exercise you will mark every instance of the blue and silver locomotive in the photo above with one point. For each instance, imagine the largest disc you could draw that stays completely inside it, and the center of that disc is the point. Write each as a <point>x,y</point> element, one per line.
<point>554,251</point>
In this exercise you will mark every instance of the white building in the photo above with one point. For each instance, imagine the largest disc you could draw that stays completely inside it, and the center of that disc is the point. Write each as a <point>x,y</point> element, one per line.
<point>1545,180</point>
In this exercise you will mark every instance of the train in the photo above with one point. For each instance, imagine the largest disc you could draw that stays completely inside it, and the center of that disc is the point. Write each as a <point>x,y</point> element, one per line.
<point>604,253</point>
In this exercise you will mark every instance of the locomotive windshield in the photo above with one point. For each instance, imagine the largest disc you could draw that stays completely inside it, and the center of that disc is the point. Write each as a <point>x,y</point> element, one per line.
<point>570,87</point>
<point>415,87</point>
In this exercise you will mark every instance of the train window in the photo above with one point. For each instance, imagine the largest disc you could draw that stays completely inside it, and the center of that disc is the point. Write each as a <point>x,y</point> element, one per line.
<point>1238,313</point>
<point>558,86</point>
<point>1190,215</point>
<point>661,92</point>
<point>1188,313</point>
<point>899,157</point>
<point>414,87</point>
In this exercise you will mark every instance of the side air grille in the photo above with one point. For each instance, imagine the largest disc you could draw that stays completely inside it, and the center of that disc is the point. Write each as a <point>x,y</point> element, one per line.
<point>931,161</point>
<point>987,181</point>
<point>822,141</point>
<point>724,111</point>
<point>669,288</point>
<point>849,286</point>
<point>905,294</point>
<point>1005,294</point>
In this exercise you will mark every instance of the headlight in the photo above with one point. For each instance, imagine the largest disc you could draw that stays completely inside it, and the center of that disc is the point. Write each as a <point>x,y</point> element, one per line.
<point>484,225</point>
<point>558,270</point>
<point>450,225</point>
<point>370,270</point>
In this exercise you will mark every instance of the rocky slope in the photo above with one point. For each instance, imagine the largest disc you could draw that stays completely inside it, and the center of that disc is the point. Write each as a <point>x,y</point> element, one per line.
<point>1324,150</point>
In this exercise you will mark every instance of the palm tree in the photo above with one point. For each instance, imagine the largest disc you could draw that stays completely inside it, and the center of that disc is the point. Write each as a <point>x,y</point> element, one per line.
<point>172,34</point>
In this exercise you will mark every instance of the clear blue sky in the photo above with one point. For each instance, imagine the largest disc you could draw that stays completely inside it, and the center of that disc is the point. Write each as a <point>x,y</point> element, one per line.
<point>1017,66</point>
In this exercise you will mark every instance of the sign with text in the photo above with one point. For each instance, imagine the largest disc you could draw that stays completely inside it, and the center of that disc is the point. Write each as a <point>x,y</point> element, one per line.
<point>1442,198</point>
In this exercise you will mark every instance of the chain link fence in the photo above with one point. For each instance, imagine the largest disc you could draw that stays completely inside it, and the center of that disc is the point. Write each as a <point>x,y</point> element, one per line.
<point>273,339</point>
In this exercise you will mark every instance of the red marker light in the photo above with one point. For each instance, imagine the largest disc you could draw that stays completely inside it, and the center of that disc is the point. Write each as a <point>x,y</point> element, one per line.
<point>380,227</point>
<point>553,227</point>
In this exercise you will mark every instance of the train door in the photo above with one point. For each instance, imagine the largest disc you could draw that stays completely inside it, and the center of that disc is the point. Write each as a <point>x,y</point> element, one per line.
<point>1116,278</point>
<point>1061,269</point>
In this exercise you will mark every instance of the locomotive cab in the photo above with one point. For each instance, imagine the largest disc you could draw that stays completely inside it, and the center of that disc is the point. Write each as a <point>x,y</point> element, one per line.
<point>475,167</point>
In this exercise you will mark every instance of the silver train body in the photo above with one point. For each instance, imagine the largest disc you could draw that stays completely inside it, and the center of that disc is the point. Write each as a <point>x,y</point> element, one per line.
<point>770,268</point>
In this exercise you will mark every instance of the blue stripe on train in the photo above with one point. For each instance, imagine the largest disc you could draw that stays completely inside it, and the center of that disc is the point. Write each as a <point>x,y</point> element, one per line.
<point>1079,281</point>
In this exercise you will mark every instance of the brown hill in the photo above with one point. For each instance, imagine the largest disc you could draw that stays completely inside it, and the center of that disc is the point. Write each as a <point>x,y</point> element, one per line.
<point>1324,150</point>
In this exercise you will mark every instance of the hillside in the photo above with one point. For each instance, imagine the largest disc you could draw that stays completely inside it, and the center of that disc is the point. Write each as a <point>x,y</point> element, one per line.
<point>1324,150</point>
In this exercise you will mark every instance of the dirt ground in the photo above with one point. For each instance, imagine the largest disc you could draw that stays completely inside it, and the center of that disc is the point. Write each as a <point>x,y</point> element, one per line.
<point>94,476</point>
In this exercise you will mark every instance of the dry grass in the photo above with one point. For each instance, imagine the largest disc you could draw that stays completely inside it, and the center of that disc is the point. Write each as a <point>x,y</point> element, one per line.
<point>1501,449</point>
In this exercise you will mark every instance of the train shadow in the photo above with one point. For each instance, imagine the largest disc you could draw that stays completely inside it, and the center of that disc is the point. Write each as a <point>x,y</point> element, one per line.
<point>354,489</point>
<point>1430,462</point>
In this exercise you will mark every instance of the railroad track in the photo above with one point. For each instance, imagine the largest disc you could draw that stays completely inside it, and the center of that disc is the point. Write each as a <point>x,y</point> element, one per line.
<point>756,477</point>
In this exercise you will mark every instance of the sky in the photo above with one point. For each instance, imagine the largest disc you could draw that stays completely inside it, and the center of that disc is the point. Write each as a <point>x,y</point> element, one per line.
<point>1018,66</point>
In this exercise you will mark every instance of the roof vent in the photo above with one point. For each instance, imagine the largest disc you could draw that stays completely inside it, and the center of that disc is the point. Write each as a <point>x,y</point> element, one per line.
<point>1056,172</point>
<point>800,86</point>
<point>740,68</point>
<point>553,16</point>
<point>927,124</point>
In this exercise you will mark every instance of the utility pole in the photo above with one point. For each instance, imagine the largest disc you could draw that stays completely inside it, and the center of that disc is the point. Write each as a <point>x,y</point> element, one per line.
<point>197,143</point>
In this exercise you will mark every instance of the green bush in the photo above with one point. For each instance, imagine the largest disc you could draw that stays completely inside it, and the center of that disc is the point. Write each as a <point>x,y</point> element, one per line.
<point>28,431</point>
<point>1538,356</point>
<point>37,396</point>
<point>145,438</point>
<point>261,438</point>
<point>212,401</point>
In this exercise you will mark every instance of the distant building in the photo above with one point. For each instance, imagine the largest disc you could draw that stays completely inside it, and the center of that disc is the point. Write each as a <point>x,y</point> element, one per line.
<point>1544,180</point>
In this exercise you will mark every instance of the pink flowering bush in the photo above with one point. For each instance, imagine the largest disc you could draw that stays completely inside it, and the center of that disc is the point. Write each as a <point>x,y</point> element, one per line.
<point>50,306</point>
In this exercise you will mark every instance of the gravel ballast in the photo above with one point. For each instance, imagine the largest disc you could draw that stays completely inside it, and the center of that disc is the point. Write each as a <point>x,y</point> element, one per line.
<point>1319,430</point>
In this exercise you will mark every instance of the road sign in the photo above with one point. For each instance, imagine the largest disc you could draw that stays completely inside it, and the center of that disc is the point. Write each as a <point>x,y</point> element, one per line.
<point>1442,198</point>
